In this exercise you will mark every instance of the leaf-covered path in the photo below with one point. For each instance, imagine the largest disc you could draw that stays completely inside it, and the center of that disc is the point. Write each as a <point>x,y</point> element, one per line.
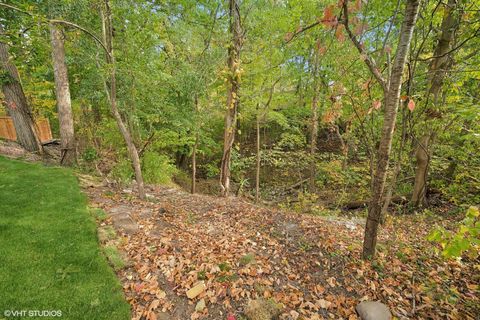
<point>309,264</point>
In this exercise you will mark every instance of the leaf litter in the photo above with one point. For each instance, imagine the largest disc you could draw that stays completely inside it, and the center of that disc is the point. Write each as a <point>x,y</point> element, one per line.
<point>225,252</point>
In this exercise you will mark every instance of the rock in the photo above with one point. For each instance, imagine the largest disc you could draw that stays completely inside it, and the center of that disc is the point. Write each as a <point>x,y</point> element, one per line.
<point>87,181</point>
<point>163,316</point>
<point>120,210</point>
<point>263,309</point>
<point>373,310</point>
<point>125,223</point>
<point>200,305</point>
<point>196,290</point>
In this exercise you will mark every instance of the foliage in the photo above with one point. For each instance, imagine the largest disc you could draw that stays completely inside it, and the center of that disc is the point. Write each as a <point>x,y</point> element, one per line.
<point>157,168</point>
<point>171,72</point>
<point>464,240</point>
<point>122,171</point>
<point>90,154</point>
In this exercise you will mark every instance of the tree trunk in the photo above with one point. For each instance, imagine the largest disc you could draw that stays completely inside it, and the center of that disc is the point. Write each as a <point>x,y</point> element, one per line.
<point>194,152</point>
<point>194,164</point>
<point>257,171</point>
<point>314,120</point>
<point>391,98</point>
<point>62,91</point>
<point>343,144</point>
<point>422,156</point>
<point>132,149</point>
<point>438,66</point>
<point>232,96</point>
<point>437,72</point>
<point>16,103</point>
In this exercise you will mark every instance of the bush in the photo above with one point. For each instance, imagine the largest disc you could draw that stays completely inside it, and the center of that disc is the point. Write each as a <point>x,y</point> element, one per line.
<point>157,168</point>
<point>211,170</point>
<point>465,239</point>
<point>123,171</point>
<point>90,155</point>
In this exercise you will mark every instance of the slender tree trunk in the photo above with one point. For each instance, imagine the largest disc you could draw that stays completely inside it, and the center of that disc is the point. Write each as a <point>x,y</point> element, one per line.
<point>257,172</point>
<point>398,165</point>
<point>62,91</point>
<point>16,103</point>
<point>314,120</point>
<point>132,149</point>
<point>422,156</point>
<point>232,96</point>
<point>194,152</point>
<point>437,72</point>
<point>391,98</point>
<point>194,164</point>
<point>343,145</point>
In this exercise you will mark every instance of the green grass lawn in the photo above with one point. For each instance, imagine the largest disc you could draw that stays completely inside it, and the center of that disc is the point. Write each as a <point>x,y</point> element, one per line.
<point>50,258</point>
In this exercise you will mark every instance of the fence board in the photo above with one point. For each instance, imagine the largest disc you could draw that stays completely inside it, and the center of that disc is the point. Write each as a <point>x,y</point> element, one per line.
<point>7,129</point>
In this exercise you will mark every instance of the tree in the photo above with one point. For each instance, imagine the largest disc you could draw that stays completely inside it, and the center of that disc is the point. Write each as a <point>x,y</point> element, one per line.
<point>391,95</point>
<point>16,102</point>
<point>107,28</point>
<point>233,99</point>
<point>62,91</point>
<point>314,117</point>
<point>438,67</point>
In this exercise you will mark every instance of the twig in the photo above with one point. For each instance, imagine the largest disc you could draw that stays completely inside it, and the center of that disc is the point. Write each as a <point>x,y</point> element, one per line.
<point>57,21</point>
<point>371,64</point>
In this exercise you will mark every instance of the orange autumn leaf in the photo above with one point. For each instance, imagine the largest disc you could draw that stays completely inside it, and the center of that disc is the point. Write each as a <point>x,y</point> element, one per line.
<point>329,19</point>
<point>358,5</point>
<point>339,33</point>
<point>411,105</point>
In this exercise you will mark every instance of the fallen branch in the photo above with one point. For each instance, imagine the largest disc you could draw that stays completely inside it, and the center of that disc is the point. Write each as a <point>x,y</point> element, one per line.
<point>293,186</point>
<point>364,203</point>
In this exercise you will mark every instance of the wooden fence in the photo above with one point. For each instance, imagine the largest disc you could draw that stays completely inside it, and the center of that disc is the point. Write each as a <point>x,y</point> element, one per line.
<point>7,129</point>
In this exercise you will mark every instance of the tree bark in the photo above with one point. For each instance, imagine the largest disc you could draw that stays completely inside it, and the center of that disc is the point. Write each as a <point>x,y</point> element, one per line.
<point>422,156</point>
<point>112,93</point>
<point>194,164</point>
<point>232,95</point>
<point>16,102</point>
<point>438,66</point>
<point>314,119</point>
<point>391,98</point>
<point>194,152</point>
<point>437,72</point>
<point>257,171</point>
<point>62,91</point>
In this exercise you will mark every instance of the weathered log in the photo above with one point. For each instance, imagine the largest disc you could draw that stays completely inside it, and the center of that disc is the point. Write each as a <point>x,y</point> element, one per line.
<point>364,203</point>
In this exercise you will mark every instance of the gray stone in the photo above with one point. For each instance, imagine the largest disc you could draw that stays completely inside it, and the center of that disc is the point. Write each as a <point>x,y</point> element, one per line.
<point>373,310</point>
<point>200,305</point>
<point>121,209</point>
<point>163,316</point>
<point>126,224</point>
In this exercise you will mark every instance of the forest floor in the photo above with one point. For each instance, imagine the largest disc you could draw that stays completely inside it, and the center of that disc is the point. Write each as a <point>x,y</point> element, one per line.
<point>176,241</point>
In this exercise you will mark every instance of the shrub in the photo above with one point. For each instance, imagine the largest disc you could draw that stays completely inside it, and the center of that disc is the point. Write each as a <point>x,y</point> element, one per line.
<point>90,155</point>
<point>123,171</point>
<point>158,168</point>
<point>465,239</point>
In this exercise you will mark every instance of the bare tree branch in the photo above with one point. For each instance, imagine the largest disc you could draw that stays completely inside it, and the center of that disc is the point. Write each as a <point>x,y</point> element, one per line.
<point>368,60</point>
<point>57,21</point>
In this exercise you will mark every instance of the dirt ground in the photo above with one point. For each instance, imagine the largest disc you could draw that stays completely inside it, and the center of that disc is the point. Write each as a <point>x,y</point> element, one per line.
<point>310,264</point>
